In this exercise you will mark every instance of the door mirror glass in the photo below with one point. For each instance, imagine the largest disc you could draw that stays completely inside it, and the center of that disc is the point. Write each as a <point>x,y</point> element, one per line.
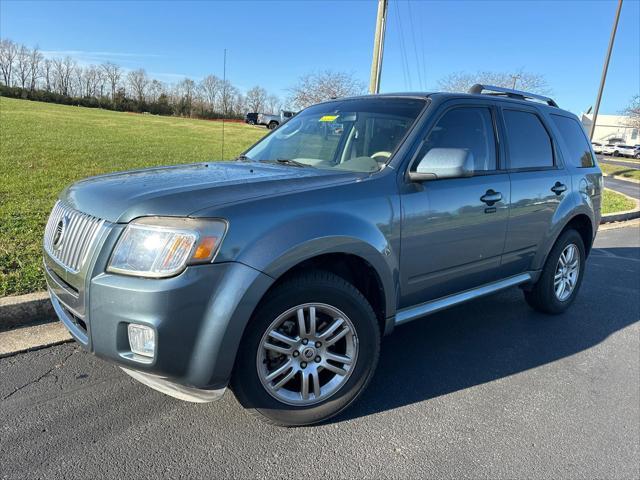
<point>440,163</point>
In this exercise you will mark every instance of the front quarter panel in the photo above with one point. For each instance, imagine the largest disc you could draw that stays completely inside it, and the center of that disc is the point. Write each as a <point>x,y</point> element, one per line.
<point>359,218</point>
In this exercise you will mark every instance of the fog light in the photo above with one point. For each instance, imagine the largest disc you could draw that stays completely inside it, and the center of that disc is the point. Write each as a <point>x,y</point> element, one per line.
<point>142,340</point>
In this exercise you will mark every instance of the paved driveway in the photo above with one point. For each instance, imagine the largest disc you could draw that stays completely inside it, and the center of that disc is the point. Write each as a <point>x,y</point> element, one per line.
<point>490,389</point>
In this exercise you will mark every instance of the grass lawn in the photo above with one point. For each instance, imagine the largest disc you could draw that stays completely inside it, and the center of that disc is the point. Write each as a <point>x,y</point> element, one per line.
<point>618,171</point>
<point>45,147</point>
<point>614,202</point>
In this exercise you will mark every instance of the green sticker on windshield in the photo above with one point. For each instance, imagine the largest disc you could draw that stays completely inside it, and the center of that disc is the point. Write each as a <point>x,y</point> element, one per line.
<point>328,118</point>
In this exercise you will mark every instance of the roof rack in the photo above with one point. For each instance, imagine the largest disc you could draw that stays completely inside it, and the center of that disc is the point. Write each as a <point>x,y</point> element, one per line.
<point>508,92</point>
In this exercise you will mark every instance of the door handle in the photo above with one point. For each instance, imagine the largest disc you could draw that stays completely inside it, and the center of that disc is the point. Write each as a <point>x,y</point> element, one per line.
<point>491,197</point>
<point>558,188</point>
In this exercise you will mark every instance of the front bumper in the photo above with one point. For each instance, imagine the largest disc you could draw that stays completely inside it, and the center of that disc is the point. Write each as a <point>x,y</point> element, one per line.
<point>198,316</point>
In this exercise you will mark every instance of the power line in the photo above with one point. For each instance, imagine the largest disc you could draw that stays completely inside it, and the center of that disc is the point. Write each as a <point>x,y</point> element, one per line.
<point>403,51</point>
<point>422,49</point>
<point>415,48</point>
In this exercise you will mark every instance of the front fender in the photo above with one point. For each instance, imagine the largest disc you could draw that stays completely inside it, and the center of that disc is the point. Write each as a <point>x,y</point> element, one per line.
<point>301,238</point>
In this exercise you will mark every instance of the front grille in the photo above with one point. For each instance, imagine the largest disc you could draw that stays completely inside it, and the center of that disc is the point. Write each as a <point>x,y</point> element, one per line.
<point>69,235</point>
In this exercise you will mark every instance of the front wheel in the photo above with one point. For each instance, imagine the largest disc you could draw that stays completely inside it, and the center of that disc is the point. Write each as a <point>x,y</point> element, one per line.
<point>561,276</point>
<point>272,125</point>
<point>310,350</point>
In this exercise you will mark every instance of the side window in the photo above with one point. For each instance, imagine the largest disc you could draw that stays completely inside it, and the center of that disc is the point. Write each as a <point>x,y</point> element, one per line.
<point>469,129</point>
<point>575,141</point>
<point>528,140</point>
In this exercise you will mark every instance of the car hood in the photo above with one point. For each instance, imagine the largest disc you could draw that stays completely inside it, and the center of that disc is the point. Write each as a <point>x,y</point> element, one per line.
<point>184,189</point>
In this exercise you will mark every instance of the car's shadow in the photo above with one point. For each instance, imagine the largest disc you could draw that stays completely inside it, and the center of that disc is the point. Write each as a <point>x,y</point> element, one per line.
<point>500,335</point>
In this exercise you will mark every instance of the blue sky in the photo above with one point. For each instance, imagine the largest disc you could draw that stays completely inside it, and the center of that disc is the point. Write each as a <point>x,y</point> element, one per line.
<point>273,43</point>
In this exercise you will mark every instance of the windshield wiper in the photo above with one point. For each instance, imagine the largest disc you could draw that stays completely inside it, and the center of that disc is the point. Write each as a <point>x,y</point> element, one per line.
<point>295,163</point>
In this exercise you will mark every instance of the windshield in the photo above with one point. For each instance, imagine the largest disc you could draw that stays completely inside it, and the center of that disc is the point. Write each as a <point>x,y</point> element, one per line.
<point>357,135</point>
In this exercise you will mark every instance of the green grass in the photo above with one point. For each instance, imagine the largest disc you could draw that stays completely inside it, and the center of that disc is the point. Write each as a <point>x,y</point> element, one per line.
<point>618,171</point>
<point>45,147</point>
<point>613,202</point>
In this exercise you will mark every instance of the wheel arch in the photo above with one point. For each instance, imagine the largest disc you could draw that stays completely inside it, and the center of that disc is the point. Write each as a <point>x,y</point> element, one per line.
<point>578,220</point>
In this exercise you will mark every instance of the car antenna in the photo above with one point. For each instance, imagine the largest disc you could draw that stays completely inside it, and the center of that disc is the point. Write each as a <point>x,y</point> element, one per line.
<point>224,103</point>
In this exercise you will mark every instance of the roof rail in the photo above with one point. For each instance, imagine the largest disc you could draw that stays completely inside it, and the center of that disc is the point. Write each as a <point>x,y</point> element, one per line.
<point>508,92</point>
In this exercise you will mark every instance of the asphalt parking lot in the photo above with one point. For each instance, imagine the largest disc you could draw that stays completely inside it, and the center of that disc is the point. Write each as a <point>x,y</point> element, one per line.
<point>490,389</point>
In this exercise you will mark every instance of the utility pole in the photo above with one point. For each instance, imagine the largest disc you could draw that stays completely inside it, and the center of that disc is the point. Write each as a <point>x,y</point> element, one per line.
<point>605,68</point>
<point>378,47</point>
<point>515,79</point>
<point>224,98</point>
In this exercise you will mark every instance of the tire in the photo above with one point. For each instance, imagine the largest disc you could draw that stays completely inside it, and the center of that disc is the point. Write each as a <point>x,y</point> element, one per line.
<point>272,125</point>
<point>543,296</point>
<point>251,122</point>
<point>249,382</point>
<point>616,154</point>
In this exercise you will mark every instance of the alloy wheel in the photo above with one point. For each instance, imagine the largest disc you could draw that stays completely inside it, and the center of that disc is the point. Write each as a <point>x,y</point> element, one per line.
<point>567,272</point>
<point>307,354</point>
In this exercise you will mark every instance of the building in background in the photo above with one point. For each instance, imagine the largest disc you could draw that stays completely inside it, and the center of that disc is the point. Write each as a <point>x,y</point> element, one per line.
<point>611,128</point>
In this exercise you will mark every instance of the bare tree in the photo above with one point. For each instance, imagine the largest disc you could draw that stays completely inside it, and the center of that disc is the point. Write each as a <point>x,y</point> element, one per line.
<point>23,65</point>
<point>156,88</point>
<point>317,87</point>
<point>185,92</point>
<point>8,52</point>
<point>35,72</point>
<point>227,95</point>
<point>138,81</point>
<point>256,99</point>
<point>47,67</point>
<point>240,104</point>
<point>633,111</point>
<point>113,73</point>
<point>519,79</point>
<point>211,87</point>
<point>273,103</point>
<point>63,70</point>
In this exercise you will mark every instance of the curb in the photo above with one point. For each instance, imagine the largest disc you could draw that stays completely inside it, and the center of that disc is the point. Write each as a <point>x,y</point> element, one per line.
<point>624,179</point>
<point>620,217</point>
<point>25,309</point>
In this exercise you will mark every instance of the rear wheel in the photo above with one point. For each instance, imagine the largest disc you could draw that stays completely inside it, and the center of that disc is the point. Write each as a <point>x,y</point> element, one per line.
<point>561,276</point>
<point>309,351</point>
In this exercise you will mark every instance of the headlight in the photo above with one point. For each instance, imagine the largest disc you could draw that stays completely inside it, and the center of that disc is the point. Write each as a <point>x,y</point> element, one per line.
<point>164,246</point>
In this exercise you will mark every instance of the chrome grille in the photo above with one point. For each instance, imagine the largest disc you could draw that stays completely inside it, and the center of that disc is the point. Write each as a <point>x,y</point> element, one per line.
<point>69,235</point>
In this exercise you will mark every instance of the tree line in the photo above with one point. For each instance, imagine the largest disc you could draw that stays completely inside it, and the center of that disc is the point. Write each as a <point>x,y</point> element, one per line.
<point>27,73</point>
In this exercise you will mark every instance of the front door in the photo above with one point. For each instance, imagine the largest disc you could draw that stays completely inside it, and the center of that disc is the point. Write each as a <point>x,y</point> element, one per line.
<point>453,229</point>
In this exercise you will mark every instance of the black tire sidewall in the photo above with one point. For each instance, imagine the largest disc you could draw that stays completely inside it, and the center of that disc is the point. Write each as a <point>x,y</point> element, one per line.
<point>339,294</point>
<point>547,279</point>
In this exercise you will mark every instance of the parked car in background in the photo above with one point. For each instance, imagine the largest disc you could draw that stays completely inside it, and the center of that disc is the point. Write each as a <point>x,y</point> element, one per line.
<point>611,149</point>
<point>274,121</point>
<point>597,147</point>
<point>251,118</point>
<point>279,273</point>
<point>630,151</point>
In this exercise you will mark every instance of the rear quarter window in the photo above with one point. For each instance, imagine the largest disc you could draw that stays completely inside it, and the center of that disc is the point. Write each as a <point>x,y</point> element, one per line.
<point>575,141</point>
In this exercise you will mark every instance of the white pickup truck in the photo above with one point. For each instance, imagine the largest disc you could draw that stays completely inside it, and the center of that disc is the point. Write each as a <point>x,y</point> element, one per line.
<point>274,121</point>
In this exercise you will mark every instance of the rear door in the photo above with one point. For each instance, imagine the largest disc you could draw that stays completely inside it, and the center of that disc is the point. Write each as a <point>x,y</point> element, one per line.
<point>539,184</point>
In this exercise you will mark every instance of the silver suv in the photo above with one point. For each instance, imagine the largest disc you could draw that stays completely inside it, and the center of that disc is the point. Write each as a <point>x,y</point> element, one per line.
<point>279,273</point>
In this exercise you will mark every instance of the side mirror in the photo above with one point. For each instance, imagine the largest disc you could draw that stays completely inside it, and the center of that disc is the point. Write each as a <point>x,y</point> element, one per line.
<point>443,163</point>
